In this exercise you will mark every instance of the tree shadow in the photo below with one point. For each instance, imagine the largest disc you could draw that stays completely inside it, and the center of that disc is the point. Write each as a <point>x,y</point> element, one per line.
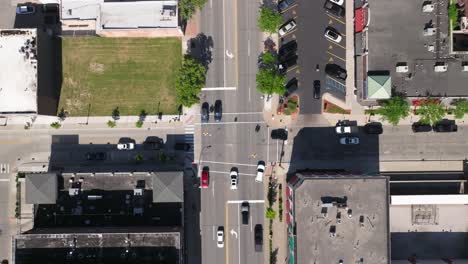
<point>269,45</point>
<point>274,256</point>
<point>200,48</point>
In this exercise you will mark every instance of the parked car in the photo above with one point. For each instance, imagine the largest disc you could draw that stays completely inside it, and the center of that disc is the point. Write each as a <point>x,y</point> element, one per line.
<point>279,133</point>
<point>260,171</point>
<point>338,2</point>
<point>349,140</point>
<point>288,63</point>
<point>291,87</point>
<point>153,143</point>
<point>419,127</point>
<point>287,48</point>
<point>205,112</point>
<point>333,35</point>
<point>220,237</point>
<point>317,89</point>
<point>218,110</point>
<point>126,146</point>
<point>182,146</point>
<point>205,178</point>
<point>336,71</point>
<point>446,126</point>
<point>287,27</point>
<point>25,9</point>
<point>233,177</point>
<point>258,238</point>
<point>343,129</point>
<point>285,4</point>
<point>334,9</point>
<point>245,208</point>
<point>373,128</point>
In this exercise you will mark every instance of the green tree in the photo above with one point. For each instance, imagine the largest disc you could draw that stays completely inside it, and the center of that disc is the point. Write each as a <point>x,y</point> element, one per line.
<point>111,124</point>
<point>461,108</point>
<point>394,109</point>
<point>453,12</point>
<point>270,213</point>
<point>116,113</point>
<point>268,60</point>
<point>188,7</point>
<point>56,125</point>
<point>269,20</point>
<point>139,124</point>
<point>431,112</point>
<point>270,82</point>
<point>189,81</point>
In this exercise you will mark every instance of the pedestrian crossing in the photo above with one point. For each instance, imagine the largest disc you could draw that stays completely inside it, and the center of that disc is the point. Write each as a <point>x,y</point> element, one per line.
<point>4,168</point>
<point>189,136</point>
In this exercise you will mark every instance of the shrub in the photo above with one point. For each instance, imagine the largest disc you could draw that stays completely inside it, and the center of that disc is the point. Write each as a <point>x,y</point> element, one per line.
<point>139,123</point>
<point>55,125</point>
<point>270,213</point>
<point>111,124</point>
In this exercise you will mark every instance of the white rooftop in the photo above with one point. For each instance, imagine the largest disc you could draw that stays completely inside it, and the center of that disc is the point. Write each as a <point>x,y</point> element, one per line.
<point>18,71</point>
<point>123,15</point>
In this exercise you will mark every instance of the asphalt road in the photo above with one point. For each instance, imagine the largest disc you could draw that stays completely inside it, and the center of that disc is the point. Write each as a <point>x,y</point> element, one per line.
<point>234,141</point>
<point>313,49</point>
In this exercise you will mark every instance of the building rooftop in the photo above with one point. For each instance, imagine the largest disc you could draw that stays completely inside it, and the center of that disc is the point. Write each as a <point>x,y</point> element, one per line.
<point>18,72</point>
<point>41,188</point>
<point>356,228</point>
<point>123,15</point>
<point>168,187</point>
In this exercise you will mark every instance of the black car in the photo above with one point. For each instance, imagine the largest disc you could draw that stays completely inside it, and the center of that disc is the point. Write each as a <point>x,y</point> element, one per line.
<point>288,63</point>
<point>419,127</point>
<point>317,89</point>
<point>336,71</point>
<point>258,238</point>
<point>218,110</point>
<point>154,143</point>
<point>245,207</point>
<point>279,133</point>
<point>285,4</point>
<point>446,126</point>
<point>287,49</point>
<point>334,9</point>
<point>373,128</point>
<point>291,86</point>
<point>205,112</point>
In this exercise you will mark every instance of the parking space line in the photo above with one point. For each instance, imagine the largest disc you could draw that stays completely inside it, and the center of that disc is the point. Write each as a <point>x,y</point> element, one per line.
<point>336,19</point>
<point>293,68</point>
<point>226,234</point>
<point>226,172</point>
<point>336,80</point>
<point>289,33</point>
<point>336,56</point>
<point>336,44</point>
<point>289,8</point>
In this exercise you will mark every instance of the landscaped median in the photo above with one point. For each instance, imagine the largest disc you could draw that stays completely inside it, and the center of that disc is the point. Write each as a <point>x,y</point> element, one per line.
<point>131,74</point>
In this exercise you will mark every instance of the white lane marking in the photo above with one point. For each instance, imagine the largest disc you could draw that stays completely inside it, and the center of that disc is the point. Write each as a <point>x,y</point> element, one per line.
<point>213,188</point>
<point>241,201</point>
<point>229,123</point>
<point>229,54</point>
<point>4,180</point>
<point>277,150</point>
<point>249,93</point>
<point>213,233</point>
<point>233,232</point>
<point>238,230</point>
<point>251,225</point>
<point>227,163</point>
<point>268,146</point>
<point>225,172</point>
<point>248,48</point>
<point>211,3</point>
<point>224,45</point>
<point>219,88</point>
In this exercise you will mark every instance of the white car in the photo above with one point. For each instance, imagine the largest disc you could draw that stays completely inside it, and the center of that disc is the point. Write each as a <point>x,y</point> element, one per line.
<point>125,146</point>
<point>288,27</point>
<point>333,35</point>
<point>338,2</point>
<point>343,129</point>
<point>25,9</point>
<point>260,171</point>
<point>233,176</point>
<point>349,140</point>
<point>220,237</point>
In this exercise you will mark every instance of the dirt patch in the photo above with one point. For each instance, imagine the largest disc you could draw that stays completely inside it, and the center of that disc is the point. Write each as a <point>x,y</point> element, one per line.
<point>96,67</point>
<point>334,109</point>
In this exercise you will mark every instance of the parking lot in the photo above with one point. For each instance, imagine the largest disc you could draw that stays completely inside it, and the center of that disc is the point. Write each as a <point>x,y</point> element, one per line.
<point>314,49</point>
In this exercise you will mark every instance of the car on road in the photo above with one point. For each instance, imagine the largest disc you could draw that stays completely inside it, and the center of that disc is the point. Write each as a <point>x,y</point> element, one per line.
<point>336,71</point>
<point>205,178</point>
<point>218,110</point>
<point>338,2</point>
<point>126,146</point>
<point>25,9</point>
<point>260,171</point>
<point>445,126</point>
<point>153,143</point>
<point>205,112</point>
<point>285,4</point>
<point>333,35</point>
<point>291,87</point>
<point>419,127</point>
<point>317,89</point>
<point>373,128</point>
<point>288,48</point>
<point>220,237</point>
<point>349,140</point>
<point>288,63</point>
<point>233,175</point>
<point>258,238</point>
<point>287,27</point>
<point>182,146</point>
<point>334,9</point>
<point>245,210</point>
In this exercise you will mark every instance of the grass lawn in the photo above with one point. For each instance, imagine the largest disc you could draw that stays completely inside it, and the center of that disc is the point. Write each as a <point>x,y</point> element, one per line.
<point>129,73</point>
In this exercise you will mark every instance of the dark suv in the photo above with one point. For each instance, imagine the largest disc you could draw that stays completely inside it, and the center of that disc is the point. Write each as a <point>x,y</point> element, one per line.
<point>334,9</point>
<point>285,4</point>
<point>291,86</point>
<point>288,63</point>
<point>336,71</point>
<point>258,238</point>
<point>205,112</point>
<point>245,208</point>
<point>218,110</point>
<point>287,49</point>
<point>420,127</point>
<point>446,126</point>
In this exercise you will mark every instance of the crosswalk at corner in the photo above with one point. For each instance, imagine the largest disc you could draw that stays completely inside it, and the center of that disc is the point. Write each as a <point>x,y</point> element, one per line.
<point>189,131</point>
<point>4,168</point>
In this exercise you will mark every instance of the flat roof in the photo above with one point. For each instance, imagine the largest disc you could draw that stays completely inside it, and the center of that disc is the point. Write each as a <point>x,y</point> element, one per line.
<point>368,200</point>
<point>18,72</point>
<point>123,15</point>
<point>395,35</point>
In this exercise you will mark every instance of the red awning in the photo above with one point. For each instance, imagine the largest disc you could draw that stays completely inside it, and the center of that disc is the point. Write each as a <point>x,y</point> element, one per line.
<point>359,19</point>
